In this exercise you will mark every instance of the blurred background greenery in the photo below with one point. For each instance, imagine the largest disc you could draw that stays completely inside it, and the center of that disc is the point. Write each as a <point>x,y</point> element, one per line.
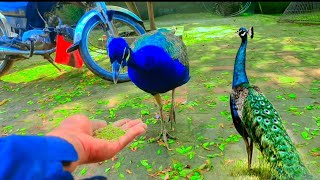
<point>71,13</point>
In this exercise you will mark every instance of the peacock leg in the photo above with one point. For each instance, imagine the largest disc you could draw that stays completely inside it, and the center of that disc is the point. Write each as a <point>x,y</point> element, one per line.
<point>249,151</point>
<point>164,133</point>
<point>172,114</point>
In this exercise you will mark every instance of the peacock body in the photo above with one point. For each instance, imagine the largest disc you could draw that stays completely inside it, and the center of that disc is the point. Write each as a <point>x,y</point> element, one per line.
<point>257,121</point>
<point>157,63</point>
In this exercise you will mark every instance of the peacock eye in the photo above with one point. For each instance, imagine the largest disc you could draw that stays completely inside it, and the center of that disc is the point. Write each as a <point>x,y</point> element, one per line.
<point>266,111</point>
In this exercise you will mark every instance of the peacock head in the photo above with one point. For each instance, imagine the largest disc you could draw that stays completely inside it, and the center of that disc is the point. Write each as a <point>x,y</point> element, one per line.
<point>119,54</point>
<point>243,32</point>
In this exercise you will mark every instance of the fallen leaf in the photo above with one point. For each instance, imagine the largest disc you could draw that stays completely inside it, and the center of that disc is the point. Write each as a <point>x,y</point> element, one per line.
<point>114,158</point>
<point>3,102</point>
<point>316,153</point>
<point>221,125</point>
<point>128,171</point>
<point>228,161</point>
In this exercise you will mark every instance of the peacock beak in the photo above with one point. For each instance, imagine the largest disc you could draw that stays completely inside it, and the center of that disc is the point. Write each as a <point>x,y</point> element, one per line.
<point>116,67</point>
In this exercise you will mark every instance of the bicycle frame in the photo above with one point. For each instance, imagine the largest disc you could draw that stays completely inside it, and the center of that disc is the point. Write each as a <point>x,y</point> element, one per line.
<point>101,10</point>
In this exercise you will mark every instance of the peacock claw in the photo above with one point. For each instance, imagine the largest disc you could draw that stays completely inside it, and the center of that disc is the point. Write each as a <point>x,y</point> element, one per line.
<point>165,136</point>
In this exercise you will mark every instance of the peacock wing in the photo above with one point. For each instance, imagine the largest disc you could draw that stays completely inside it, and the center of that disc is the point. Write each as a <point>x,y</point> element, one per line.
<point>166,40</point>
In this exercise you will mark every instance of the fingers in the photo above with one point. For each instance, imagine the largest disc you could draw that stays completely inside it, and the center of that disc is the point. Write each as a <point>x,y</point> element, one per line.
<point>134,131</point>
<point>97,124</point>
<point>101,149</point>
<point>121,122</point>
<point>75,120</point>
<point>130,124</point>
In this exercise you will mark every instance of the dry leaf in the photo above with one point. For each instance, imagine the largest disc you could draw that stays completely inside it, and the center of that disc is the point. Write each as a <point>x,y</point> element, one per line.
<point>114,158</point>
<point>134,149</point>
<point>221,125</point>
<point>229,161</point>
<point>128,171</point>
<point>3,102</point>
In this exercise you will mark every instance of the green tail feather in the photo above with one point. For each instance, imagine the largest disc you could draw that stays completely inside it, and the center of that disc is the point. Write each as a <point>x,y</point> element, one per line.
<point>265,127</point>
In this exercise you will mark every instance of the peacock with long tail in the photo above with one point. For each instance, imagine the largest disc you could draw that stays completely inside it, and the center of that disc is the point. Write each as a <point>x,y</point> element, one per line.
<point>258,122</point>
<point>157,63</point>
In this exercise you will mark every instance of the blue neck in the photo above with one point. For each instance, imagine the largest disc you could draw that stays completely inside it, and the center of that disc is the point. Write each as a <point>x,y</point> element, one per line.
<point>239,71</point>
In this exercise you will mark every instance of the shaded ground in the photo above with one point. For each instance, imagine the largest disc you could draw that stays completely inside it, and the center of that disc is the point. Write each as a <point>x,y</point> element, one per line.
<point>282,59</point>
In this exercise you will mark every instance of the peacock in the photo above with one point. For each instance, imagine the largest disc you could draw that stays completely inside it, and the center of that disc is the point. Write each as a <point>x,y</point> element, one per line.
<point>257,121</point>
<point>157,62</point>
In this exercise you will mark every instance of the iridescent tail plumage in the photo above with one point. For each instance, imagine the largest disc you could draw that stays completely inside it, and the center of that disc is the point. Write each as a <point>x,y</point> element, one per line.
<point>264,126</point>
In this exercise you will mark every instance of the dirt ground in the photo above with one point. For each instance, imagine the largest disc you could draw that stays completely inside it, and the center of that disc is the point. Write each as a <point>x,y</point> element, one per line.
<point>282,59</point>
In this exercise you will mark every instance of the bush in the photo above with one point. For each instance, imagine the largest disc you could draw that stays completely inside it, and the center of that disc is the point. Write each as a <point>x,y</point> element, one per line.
<point>70,13</point>
<point>228,8</point>
<point>272,7</point>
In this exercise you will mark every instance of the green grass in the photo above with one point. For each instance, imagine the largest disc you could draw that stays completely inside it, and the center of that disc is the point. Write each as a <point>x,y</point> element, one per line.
<point>311,18</point>
<point>282,59</point>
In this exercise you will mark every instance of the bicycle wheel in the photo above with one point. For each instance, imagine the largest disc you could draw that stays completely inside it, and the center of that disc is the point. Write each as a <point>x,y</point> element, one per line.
<point>5,64</point>
<point>94,40</point>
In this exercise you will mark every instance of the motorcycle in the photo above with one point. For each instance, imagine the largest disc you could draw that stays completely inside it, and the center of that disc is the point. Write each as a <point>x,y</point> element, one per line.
<point>24,32</point>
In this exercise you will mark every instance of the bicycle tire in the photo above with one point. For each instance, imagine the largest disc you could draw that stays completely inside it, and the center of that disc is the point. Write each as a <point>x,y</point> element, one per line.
<point>5,65</point>
<point>84,47</point>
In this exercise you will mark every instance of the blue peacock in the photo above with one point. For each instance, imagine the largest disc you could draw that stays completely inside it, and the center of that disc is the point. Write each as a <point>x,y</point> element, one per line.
<point>257,121</point>
<point>157,63</point>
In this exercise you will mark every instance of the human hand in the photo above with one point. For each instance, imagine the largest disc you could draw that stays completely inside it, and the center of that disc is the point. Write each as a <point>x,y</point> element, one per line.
<point>78,131</point>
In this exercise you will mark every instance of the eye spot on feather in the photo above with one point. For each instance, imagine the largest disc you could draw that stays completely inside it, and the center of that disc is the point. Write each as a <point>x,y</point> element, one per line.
<point>274,127</point>
<point>256,111</point>
<point>266,111</point>
<point>267,121</point>
<point>275,121</point>
<point>262,103</point>
<point>259,118</point>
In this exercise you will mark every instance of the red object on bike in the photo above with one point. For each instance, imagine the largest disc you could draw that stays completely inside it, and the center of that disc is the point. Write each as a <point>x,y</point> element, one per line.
<point>62,57</point>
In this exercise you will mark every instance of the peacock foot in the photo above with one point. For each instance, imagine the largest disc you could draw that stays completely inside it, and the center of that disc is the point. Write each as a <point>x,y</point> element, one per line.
<point>165,136</point>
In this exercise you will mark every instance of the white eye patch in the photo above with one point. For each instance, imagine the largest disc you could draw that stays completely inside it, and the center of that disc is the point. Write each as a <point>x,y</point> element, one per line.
<point>242,34</point>
<point>124,53</point>
<point>127,58</point>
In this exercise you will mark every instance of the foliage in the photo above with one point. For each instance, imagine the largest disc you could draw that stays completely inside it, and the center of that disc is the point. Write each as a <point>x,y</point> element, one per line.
<point>70,14</point>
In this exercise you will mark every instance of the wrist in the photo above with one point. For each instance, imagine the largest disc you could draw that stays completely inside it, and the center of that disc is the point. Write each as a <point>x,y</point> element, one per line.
<point>77,145</point>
